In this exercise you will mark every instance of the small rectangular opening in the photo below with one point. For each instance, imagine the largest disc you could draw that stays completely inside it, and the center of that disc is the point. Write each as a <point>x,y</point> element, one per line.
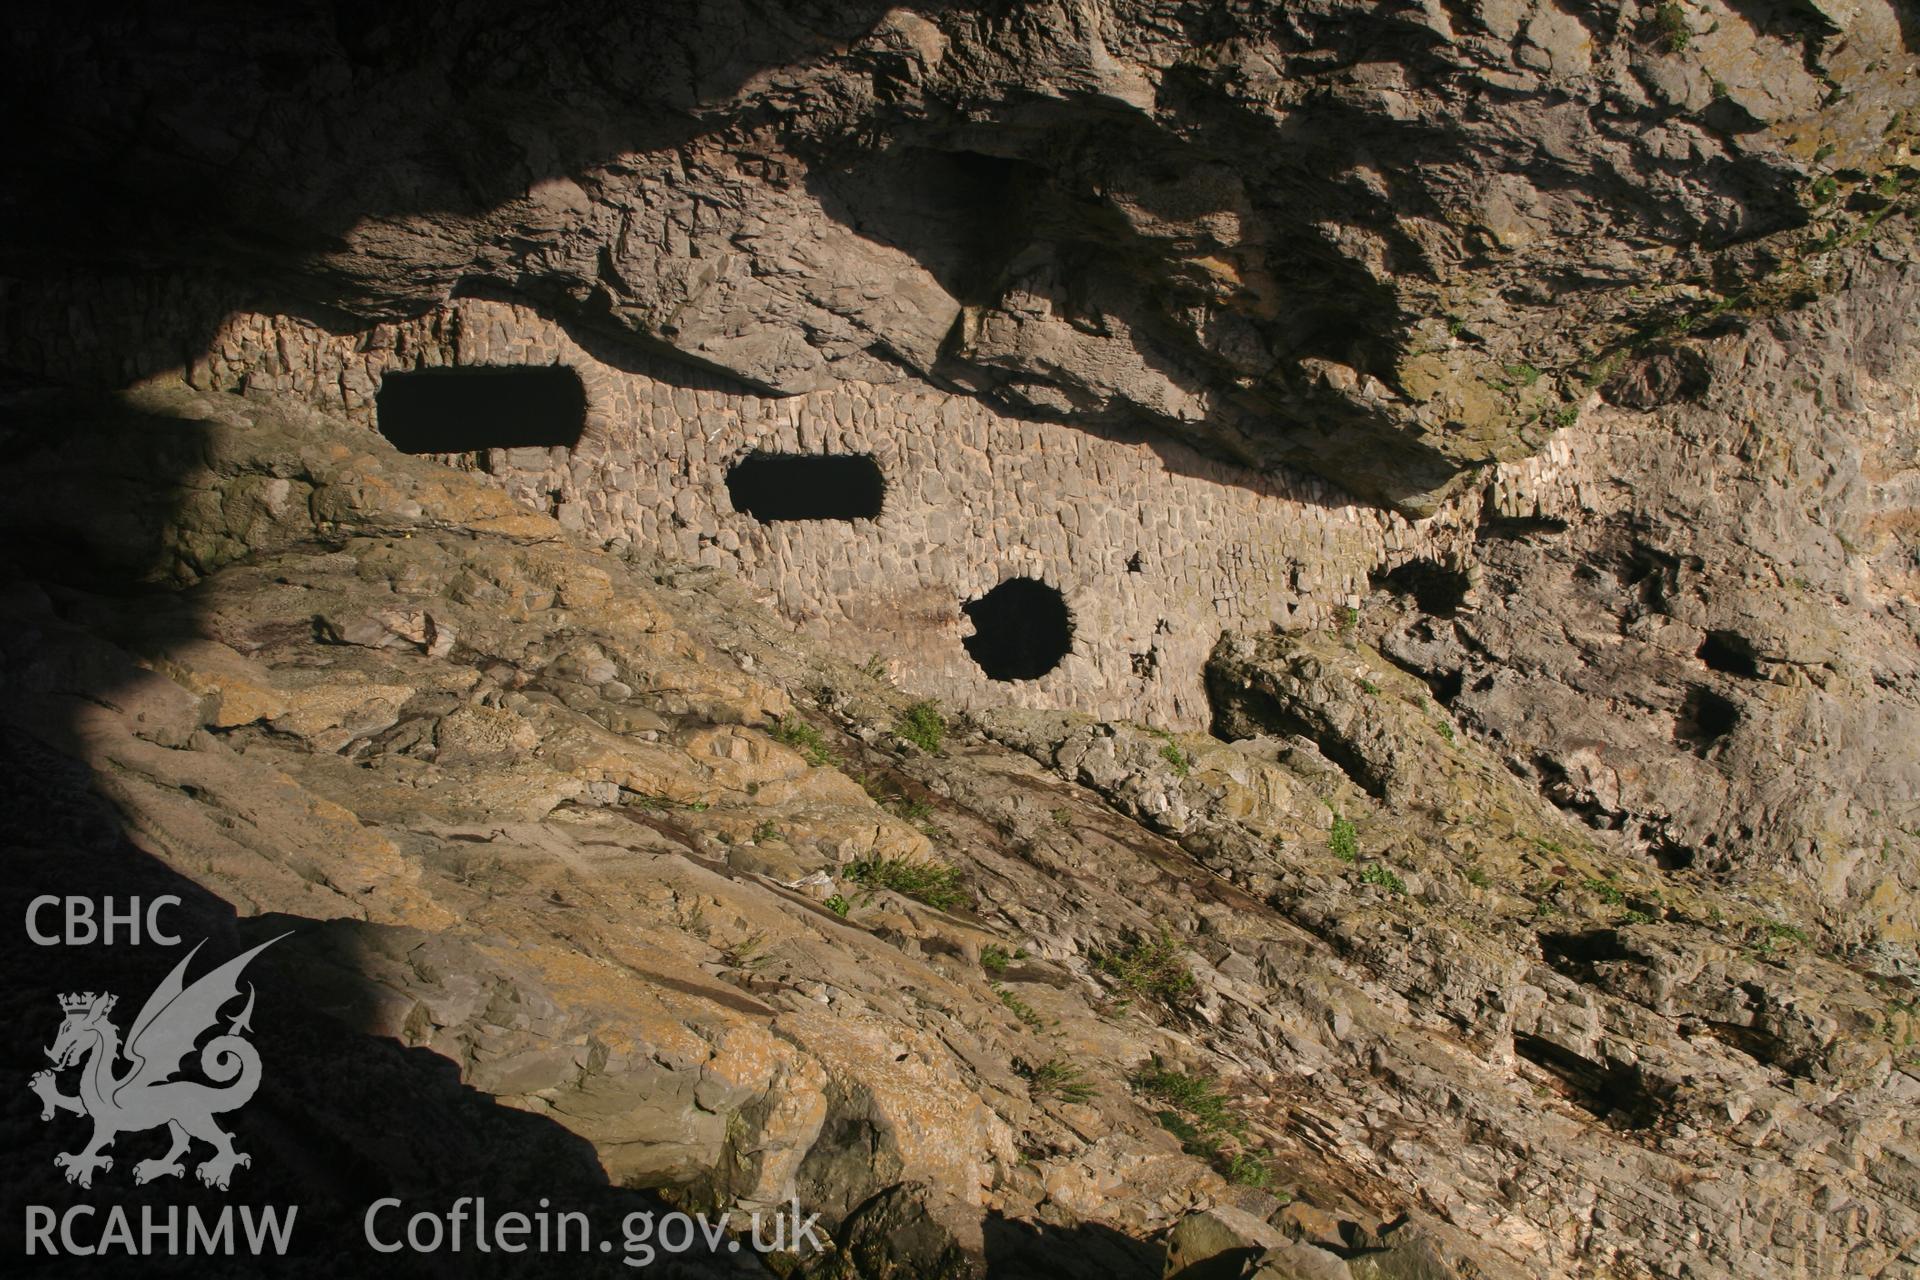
<point>807,486</point>
<point>472,407</point>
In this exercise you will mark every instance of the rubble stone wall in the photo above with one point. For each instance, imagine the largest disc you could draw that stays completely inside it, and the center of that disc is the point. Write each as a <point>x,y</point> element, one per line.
<point>1156,548</point>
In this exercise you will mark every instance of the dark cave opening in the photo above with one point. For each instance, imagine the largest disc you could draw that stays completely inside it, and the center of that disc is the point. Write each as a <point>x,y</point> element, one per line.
<point>1730,653</point>
<point>807,486</point>
<point>1446,686</point>
<point>961,214</point>
<point>1021,629</point>
<point>1619,1095</point>
<point>463,409</point>
<point>1671,855</point>
<point>1576,954</point>
<point>1435,588</point>
<point>1705,718</point>
<point>1519,528</point>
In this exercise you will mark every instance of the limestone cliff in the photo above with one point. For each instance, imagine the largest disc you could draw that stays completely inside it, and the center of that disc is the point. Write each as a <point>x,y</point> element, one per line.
<point>1324,234</point>
<point>1469,824</point>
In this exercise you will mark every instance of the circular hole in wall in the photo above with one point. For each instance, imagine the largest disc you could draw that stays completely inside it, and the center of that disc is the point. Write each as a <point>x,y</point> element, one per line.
<point>465,408</point>
<point>1021,629</point>
<point>807,486</point>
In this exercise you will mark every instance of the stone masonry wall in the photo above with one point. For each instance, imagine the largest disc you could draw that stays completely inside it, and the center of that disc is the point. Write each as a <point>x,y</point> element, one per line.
<point>973,498</point>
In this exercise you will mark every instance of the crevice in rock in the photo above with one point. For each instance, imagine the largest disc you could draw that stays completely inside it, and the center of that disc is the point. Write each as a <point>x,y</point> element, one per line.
<point>1444,684</point>
<point>1730,653</point>
<point>1520,528</point>
<point>963,215</point>
<point>1648,574</point>
<point>1616,1095</point>
<point>1760,1045</point>
<point>1705,717</point>
<point>1671,855</point>
<point>1247,713</point>
<point>1434,588</point>
<point>1565,794</point>
<point>1575,954</point>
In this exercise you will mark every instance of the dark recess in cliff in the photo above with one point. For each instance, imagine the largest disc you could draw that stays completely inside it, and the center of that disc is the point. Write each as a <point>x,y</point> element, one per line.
<point>1433,587</point>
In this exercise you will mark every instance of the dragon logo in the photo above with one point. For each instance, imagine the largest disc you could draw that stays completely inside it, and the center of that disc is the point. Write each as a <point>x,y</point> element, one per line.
<point>143,1096</point>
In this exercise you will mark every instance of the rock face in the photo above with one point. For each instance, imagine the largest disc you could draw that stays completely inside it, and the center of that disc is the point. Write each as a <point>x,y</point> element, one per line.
<point>1690,620</point>
<point>608,838</point>
<point>1497,423</point>
<point>1139,536</point>
<point>1386,243</point>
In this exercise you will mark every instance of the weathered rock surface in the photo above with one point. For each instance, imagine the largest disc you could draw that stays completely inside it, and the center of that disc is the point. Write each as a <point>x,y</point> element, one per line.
<point>1552,914</point>
<point>536,806</point>
<point>1707,640</point>
<point>1389,243</point>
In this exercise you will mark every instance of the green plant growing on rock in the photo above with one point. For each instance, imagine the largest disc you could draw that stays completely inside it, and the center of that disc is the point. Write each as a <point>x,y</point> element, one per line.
<point>994,958</point>
<point>768,830</point>
<point>1779,931</point>
<point>1176,758</point>
<point>750,953</point>
<point>923,726</point>
<point>915,813</point>
<point>1198,1112</point>
<point>839,905</point>
<point>1249,1169</point>
<point>1609,892</point>
<point>934,883</point>
<point>1343,839</point>
<point>1382,875</point>
<point>794,732</point>
<point>1670,25</point>
<point>1153,966</point>
<point>1028,1015</point>
<point>1897,1012</point>
<point>1196,1097</point>
<point>1057,1078</point>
